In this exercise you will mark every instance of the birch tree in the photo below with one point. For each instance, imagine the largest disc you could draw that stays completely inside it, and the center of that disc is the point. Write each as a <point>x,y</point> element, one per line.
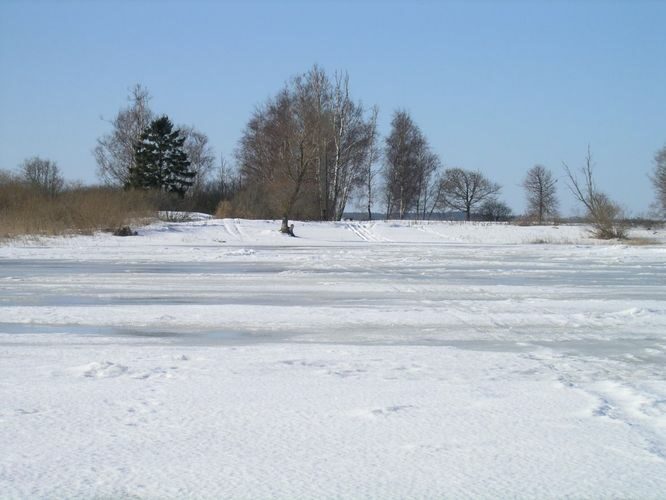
<point>200,154</point>
<point>115,152</point>
<point>308,148</point>
<point>353,144</point>
<point>370,171</point>
<point>409,166</point>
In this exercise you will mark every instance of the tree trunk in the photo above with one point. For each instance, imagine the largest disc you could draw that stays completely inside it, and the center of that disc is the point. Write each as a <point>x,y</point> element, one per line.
<point>286,228</point>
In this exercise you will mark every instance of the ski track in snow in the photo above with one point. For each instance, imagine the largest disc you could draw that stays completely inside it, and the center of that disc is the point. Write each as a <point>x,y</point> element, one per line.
<point>365,232</point>
<point>232,227</point>
<point>221,359</point>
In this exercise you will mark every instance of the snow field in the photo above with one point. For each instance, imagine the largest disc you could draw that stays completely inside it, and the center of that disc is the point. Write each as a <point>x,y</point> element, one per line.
<point>220,359</point>
<point>310,421</point>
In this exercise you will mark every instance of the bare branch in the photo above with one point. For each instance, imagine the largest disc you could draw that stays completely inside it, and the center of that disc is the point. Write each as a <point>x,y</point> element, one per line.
<point>601,210</point>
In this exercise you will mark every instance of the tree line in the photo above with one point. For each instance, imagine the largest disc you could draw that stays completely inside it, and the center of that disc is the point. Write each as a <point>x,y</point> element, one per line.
<point>304,153</point>
<point>311,149</point>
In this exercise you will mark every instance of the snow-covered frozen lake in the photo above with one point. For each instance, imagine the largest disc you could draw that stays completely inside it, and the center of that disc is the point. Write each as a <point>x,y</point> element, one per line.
<point>218,358</point>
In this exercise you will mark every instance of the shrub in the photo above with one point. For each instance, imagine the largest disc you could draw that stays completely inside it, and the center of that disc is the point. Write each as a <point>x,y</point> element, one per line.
<point>606,219</point>
<point>603,213</point>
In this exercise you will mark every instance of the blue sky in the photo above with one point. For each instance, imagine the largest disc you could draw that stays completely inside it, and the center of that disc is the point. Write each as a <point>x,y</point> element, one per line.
<point>496,86</point>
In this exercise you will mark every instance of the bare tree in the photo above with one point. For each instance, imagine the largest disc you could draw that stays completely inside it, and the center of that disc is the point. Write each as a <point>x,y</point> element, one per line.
<point>199,153</point>
<point>353,144</point>
<point>277,153</point>
<point>495,210</point>
<point>315,97</point>
<point>603,213</point>
<point>658,178</point>
<point>115,152</point>
<point>409,167</point>
<point>540,189</point>
<point>43,174</point>
<point>227,179</point>
<point>465,189</point>
<point>402,146</point>
<point>216,191</point>
<point>302,138</point>
<point>305,151</point>
<point>342,136</point>
<point>438,199</point>
<point>7,176</point>
<point>371,158</point>
<point>429,194</point>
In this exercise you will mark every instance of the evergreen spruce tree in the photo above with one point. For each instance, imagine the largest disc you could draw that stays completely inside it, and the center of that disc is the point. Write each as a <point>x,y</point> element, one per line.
<point>161,162</point>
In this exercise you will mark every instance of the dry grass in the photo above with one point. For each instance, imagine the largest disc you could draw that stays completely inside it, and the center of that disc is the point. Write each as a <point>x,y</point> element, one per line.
<point>525,221</point>
<point>551,241</point>
<point>639,242</point>
<point>224,210</point>
<point>25,210</point>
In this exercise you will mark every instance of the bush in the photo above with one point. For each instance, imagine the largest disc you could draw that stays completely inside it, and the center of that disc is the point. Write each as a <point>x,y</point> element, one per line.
<point>125,231</point>
<point>606,219</point>
<point>495,210</point>
<point>602,212</point>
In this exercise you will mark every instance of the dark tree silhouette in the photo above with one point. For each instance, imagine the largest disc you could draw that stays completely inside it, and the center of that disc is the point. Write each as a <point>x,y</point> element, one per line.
<point>161,162</point>
<point>465,189</point>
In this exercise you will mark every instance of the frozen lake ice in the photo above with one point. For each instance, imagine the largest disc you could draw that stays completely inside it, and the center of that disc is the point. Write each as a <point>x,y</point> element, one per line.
<point>378,360</point>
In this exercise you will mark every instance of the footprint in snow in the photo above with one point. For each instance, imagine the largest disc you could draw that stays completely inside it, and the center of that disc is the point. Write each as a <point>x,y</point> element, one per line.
<point>156,372</point>
<point>21,411</point>
<point>385,412</point>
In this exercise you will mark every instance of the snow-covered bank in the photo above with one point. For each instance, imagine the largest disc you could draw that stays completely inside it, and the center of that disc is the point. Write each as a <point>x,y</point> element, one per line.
<point>361,360</point>
<point>214,240</point>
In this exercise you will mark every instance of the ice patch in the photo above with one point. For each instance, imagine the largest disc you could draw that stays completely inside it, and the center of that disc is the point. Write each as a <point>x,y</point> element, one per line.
<point>635,312</point>
<point>241,252</point>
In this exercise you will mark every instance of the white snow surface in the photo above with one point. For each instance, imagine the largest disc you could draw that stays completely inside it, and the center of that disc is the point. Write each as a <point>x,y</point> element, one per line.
<point>222,359</point>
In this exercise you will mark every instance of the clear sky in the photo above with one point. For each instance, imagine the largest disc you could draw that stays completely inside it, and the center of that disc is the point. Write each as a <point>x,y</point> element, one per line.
<point>496,86</point>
